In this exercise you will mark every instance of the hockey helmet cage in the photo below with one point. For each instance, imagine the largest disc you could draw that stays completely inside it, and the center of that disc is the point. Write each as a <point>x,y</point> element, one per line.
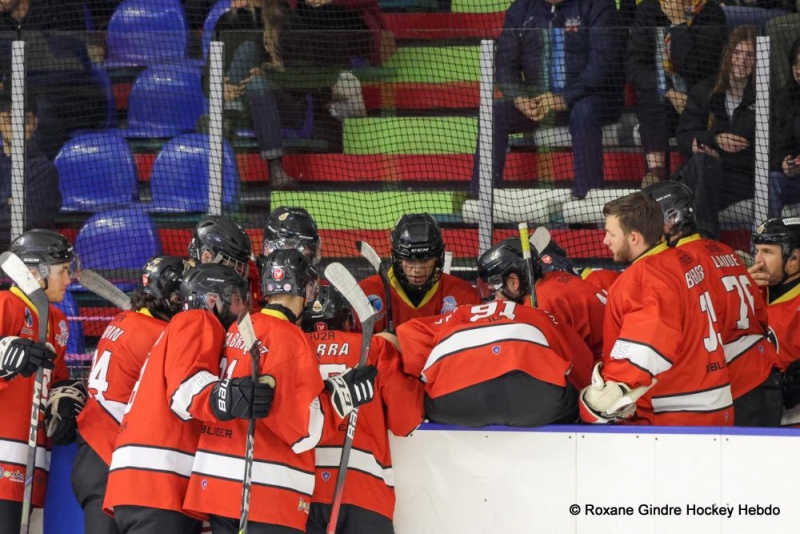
<point>292,227</point>
<point>417,236</point>
<point>42,248</point>
<point>213,287</point>
<point>225,240</point>
<point>329,311</point>
<point>677,202</point>
<point>289,271</point>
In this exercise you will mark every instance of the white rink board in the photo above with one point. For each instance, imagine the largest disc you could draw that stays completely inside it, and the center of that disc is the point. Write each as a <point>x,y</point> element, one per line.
<point>490,481</point>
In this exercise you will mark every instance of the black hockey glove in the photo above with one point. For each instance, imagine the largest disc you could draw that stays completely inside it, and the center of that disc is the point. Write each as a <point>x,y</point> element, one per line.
<point>241,398</point>
<point>23,357</point>
<point>791,385</point>
<point>64,403</point>
<point>352,388</point>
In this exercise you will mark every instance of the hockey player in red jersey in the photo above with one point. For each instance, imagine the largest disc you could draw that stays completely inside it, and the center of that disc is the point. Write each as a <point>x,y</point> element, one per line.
<point>571,300</point>
<point>419,288</point>
<point>499,363</point>
<point>177,394</point>
<point>777,272</point>
<point>741,312</point>
<point>659,325</point>
<point>50,257</point>
<point>368,500</point>
<point>283,469</point>
<point>118,360</point>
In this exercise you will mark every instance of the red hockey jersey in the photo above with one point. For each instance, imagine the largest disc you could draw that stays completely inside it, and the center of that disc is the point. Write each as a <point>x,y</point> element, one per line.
<point>660,322</point>
<point>602,279</point>
<point>18,317</point>
<point>283,467</point>
<point>741,313</point>
<point>575,302</point>
<point>447,294</point>
<point>397,406</point>
<point>157,440</point>
<point>784,320</point>
<point>474,344</point>
<point>120,354</point>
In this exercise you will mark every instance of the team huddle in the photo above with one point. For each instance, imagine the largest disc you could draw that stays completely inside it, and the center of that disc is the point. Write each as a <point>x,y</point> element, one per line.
<point>682,336</point>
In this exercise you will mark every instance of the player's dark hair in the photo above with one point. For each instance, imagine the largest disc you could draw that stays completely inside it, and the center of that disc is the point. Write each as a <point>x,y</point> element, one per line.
<point>638,212</point>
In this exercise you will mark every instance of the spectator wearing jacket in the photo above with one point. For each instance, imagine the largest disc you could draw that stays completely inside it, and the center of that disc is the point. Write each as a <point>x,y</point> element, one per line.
<point>784,178</point>
<point>690,35</point>
<point>583,88</point>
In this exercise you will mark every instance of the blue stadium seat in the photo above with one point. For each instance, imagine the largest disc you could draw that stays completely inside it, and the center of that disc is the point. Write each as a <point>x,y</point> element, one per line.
<point>179,182</point>
<point>166,100</point>
<point>146,32</point>
<point>96,172</point>
<point>118,239</point>
<point>76,343</point>
<point>219,9</point>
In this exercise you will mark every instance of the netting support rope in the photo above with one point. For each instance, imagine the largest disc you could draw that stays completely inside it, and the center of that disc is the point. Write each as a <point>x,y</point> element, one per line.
<point>215,105</point>
<point>17,132</point>
<point>485,121</point>
<point>761,198</point>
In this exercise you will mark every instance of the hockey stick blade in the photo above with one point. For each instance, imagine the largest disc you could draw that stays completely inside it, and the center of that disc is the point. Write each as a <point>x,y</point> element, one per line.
<point>341,278</point>
<point>448,262</point>
<point>369,254</point>
<point>101,287</point>
<point>372,257</point>
<point>540,239</point>
<point>16,269</point>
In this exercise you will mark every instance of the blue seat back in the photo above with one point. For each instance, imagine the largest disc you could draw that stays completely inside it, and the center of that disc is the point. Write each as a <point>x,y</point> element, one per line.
<point>180,178</point>
<point>117,239</point>
<point>166,100</point>
<point>76,343</point>
<point>96,172</point>
<point>219,9</point>
<point>146,32</point>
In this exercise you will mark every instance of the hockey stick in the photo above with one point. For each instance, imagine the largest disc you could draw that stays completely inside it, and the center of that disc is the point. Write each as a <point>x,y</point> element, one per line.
<point>372,257</point>
<point>540,239</point>
<point>22,276</point>
<point>526,255</point>
<point>448,262</point>
<point>249,338</point>
<point>349,288</point>
<point>101,287</point>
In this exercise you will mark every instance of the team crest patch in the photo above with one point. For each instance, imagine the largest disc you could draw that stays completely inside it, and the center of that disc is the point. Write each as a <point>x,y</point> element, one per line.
<point>278,273</point>
<point>449,304</point>
<point>28,318</point>
<point>63,333</point>
<point>326,476</point>
<point>376,302</point>
<point>319,327</point>
<point>496,349</point>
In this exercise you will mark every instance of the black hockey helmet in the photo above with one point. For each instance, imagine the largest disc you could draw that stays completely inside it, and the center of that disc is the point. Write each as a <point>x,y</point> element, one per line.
<point>289,271</point>
<point>417,236</point>
<point>292,227</point>
<point>162,276</point>
<point>42,248</point>
<point>226,240</point>
<point>501,260</point>
<point>783,231</point>
<point>212,286</point>
<point>677,202</point>
<point>330,311</point>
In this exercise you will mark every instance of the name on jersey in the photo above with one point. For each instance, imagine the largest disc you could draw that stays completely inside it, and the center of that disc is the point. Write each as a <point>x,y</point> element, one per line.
<point>726,260</point>
<point>216,431</point>
<point>333,349</point>
<point>694,276</point>
<point>236,342</point>
<point>112,332</point>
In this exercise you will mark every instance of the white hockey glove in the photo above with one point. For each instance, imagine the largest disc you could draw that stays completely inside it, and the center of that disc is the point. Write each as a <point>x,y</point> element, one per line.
<point>20,356</point>
<point>605,402</point>
<point>64,403</point>
<point>352,388</point>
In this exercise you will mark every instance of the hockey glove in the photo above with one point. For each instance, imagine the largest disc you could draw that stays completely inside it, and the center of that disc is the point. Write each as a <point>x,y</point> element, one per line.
<point>352,388</point>
<point>604,402</point>
<point>791,385</point>
<point>241,398</point>
<point>23,357</point>
<point>64,403</point>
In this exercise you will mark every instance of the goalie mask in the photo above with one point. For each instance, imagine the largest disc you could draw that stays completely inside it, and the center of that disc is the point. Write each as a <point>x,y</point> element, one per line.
<point>215,288</point>
<point>43,248</point>
<point>330,311</point>
<point>417,236</point>
<point>497,263</point>
<point>677,202</point>
<point>289,271</point>
<point>224,240</point>
<point>291,227</point>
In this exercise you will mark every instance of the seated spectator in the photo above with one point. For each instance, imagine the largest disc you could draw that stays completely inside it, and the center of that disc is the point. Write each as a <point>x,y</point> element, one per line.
<point>693,37</point>
<point>577,82</point>
<point>42,197</point>
<point>251,32</point>
<point>716,133</point>
<point>784,178</point>
<point>43,15</point>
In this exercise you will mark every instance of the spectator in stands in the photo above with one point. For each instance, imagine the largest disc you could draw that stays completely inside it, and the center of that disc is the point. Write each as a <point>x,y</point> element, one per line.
<point>42,197</point>
<point>691,44</point>
<point>581,83</point>
<point>251,32</point>
<point>784,178</point>
<point>716,132</point>
<point>43,15</point>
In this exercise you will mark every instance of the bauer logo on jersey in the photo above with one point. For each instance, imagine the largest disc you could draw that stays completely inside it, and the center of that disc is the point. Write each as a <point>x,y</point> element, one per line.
<point>449,304</point>
<point>63,333</point>
<point>278,273</point>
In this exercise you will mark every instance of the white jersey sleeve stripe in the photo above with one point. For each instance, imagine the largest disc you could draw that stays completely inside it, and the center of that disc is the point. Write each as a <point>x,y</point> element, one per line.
<point>316,421</point>
<point>642,356</point>
<point>152,459</point>
<point>16,452</point>
<point>113,408</point>
<point>182,398</point>
<point>711,400</point>
<point>734,349</point>
<point>359,460</point>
